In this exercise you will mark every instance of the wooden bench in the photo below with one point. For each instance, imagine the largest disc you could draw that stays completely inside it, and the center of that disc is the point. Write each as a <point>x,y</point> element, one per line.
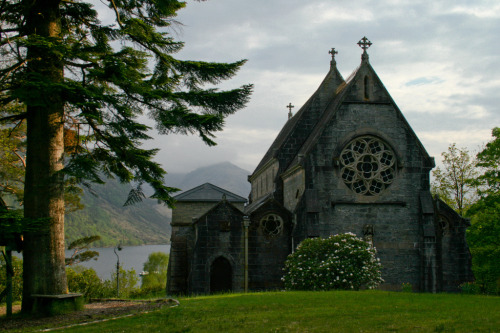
<point>50,305</point>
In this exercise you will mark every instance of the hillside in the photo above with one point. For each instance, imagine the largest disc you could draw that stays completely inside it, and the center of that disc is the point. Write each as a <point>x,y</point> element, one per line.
<point>104,215</point>
<point>225,175</point>
<point>146,222</point>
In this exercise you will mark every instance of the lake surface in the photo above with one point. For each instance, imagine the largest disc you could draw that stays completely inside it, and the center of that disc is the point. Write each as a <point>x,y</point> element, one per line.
<point>130,257</point>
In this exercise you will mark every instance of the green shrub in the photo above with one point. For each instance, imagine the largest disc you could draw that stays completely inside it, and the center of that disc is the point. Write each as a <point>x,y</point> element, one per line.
<point>128,282</point>
<point>342,261</point>
<point>85,281</point>
<point>156,277</point>
<point>470,288</point>
<point>406,287</point>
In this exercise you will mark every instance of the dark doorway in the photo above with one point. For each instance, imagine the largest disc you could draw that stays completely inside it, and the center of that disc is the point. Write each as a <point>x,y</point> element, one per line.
<point>221,276</point>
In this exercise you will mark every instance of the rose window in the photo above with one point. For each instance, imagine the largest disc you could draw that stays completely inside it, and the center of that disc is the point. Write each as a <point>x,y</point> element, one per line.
<point>272,225</point>
<point>368,165</point>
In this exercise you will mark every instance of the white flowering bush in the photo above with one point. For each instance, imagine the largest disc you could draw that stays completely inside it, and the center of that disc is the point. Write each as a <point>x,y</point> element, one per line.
<point>342,261</point>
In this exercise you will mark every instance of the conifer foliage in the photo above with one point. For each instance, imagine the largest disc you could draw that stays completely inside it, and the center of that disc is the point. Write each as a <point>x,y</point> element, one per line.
<point>90,82</point>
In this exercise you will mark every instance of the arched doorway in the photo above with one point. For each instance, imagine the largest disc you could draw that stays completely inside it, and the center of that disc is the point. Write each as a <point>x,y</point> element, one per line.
<point>221,276</point>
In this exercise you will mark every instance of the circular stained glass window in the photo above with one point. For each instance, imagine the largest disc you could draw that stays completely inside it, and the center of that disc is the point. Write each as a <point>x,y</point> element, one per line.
<point>368,165</point>
<point>272,225</point>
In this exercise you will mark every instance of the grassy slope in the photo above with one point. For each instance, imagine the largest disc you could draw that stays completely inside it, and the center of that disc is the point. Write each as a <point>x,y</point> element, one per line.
<point>367,311</point>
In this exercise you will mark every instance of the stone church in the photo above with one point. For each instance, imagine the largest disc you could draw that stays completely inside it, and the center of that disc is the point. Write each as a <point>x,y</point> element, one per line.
<point>347,161</point>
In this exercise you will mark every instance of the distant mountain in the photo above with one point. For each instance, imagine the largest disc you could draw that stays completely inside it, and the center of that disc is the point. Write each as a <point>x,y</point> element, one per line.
<point>225,175</point>
<point>104,215</point>
<point>147,222</point>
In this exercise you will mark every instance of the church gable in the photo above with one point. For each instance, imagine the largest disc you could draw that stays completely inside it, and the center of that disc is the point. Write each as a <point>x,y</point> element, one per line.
<point>362,105</point>
<point>208,193</point>
<point>298,127</point>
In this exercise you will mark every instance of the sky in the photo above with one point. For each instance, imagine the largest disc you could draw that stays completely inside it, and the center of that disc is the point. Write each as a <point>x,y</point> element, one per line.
<point>439,60</point>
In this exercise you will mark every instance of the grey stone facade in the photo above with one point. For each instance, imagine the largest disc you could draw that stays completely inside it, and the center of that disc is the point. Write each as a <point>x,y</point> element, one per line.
<point>347,161</point>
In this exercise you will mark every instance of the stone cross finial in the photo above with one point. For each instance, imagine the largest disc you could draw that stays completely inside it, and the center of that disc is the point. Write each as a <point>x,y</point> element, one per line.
<point>364,43</point>
<point>290,106</point>
<point>333,52</point>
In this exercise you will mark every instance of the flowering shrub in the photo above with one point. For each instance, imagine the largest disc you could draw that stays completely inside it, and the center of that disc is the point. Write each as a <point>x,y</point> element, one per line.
<point>342,261</point>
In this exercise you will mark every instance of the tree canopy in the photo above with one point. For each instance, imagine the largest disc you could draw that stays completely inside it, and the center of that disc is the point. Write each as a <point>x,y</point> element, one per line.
<point>86,88</point>
<point>454,181</point>
<point>484,234</point>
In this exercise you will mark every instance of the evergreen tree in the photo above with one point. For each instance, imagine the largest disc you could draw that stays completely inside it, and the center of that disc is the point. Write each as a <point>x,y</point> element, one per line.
<point>92,81</point>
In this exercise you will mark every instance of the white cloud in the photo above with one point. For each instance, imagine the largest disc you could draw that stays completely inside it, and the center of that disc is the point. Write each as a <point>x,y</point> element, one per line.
<point>320,13</point>
<point>485,10</point>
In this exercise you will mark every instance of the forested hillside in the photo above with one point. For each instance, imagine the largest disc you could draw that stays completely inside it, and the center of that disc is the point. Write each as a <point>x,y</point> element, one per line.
<point>104,215</point>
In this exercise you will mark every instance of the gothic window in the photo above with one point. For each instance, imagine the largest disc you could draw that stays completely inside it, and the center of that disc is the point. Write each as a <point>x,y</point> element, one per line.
<point>368,165</point>
<point>444,225</point>
<point>271,225</point>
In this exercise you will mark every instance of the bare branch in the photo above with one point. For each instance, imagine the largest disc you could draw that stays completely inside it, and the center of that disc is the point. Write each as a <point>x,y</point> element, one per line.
<point>21,158</point>
<point>117,13</point>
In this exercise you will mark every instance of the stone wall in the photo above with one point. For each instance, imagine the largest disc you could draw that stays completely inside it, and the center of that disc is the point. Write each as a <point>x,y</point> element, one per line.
<point>395,213</point>
<point>267,253</point>
<point>294,186</point>
<point>219,233</point>
<point>263,182</point>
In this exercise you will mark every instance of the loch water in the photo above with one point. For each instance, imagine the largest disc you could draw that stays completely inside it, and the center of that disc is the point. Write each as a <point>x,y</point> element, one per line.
<point>130,257</point>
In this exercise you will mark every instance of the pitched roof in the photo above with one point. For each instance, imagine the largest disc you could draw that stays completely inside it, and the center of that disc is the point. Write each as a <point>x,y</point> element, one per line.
<point>343,96</point>
<point>208,192</point>
<point>319,100</point>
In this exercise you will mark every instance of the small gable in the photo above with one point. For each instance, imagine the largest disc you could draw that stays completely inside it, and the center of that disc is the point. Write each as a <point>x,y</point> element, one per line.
<point>208,193</point>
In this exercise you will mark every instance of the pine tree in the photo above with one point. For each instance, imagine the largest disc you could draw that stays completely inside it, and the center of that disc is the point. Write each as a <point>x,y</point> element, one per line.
<point>92,81</point>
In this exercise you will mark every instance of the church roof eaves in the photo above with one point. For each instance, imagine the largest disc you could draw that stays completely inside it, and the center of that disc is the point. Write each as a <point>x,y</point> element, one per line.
<point>208,193</point>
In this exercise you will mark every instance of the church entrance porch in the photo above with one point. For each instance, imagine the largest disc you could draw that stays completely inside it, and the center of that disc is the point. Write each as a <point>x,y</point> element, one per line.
<point>221,276</point>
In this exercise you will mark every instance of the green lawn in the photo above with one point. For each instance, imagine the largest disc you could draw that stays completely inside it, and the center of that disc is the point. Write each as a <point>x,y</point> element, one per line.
<point>336,311</point>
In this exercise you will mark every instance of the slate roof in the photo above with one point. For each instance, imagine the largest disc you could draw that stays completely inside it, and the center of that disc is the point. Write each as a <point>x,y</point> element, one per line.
<point>326,91</point>
<point>208,193</point>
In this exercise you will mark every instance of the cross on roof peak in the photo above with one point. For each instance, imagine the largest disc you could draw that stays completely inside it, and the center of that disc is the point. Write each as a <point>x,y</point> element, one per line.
<point>333,52</point>
<point>364,43</point>
<point>290,106</point>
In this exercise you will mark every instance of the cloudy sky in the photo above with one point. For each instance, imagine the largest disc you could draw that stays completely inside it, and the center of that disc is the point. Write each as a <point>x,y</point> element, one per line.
<point>438,59</point>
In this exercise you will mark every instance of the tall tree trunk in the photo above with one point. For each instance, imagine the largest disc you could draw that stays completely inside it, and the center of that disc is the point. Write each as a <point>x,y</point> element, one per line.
<point>44,269</point>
